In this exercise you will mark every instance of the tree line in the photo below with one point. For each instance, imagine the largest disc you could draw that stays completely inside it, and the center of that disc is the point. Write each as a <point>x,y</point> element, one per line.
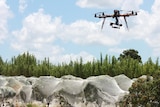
<point>128,63</point>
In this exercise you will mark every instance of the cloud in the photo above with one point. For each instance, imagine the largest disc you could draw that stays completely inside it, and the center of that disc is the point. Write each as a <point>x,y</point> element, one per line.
<point>153,25</point>
<point>5,15</point>
<point>84,32</point>
<point>99,4</point>
<point>147,27</point>
<point>123,4</point>
<point>22,5</point>
<point>73,57</point>
<point>37,33</point>
<point>41,32</point>
<point>116,50</point>
<point>131,4</point>
<point>156,6</point>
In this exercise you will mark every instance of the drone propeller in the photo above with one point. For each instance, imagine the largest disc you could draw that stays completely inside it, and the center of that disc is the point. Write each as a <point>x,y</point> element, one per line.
<point>126,22</point>
<point>95,15</point>
<point>99,14</point>
<point>134,12</point>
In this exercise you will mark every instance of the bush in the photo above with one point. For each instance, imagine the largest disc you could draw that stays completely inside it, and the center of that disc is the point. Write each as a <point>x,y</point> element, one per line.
<point>143,93</point>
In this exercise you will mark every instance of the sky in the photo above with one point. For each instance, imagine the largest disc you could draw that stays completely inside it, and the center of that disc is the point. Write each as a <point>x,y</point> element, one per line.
<point>65,30</point>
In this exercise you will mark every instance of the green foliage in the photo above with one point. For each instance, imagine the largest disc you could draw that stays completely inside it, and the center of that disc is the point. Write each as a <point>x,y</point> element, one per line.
<point>130,53</point>
<point>143,93</point>
<point>1,65</point>
<point>27,65</point>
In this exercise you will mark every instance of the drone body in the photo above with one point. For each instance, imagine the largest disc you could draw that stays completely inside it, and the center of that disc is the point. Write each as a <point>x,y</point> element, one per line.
<point>116,16</point>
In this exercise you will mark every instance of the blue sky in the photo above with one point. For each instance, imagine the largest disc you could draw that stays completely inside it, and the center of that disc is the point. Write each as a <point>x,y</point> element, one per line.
<point>67,30</point>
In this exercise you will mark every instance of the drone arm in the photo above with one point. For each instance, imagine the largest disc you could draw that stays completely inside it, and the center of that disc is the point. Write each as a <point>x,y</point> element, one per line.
<point>128,14</point>
<point>97,15</point>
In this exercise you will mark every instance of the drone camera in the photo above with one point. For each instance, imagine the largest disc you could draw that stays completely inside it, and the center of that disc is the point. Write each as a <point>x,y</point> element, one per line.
<point>115,27</point>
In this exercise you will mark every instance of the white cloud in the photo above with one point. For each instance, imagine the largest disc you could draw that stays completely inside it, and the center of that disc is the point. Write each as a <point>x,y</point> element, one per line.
<point>84,32</point>
<point>38,28</point>
<point>22,5</point>
<point>116,50</point>
<point>131,4</point>
<point>149,30</point>
<point>147,27</point>
<point>99,3</point>
<point>40,33</point>
<point>5,14</point>
<point>37,33</point>
<point>73,57</point>
<point>156,7</point>
<point>38,36</point>
<point>123,4</point>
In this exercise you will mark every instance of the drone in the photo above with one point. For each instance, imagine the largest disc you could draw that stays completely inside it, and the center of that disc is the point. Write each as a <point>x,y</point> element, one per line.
<point>115,16</point>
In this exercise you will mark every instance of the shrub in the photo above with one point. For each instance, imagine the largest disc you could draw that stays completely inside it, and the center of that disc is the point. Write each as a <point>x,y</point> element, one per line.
<point>143,93</point>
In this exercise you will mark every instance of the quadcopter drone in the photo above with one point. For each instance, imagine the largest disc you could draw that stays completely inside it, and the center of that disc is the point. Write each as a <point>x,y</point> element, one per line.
<point>116,16</point>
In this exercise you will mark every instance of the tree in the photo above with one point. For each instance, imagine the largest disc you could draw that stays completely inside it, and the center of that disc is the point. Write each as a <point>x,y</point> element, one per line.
<point>23,64</point>
<point>1,65</point>
<point>130,53</point>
